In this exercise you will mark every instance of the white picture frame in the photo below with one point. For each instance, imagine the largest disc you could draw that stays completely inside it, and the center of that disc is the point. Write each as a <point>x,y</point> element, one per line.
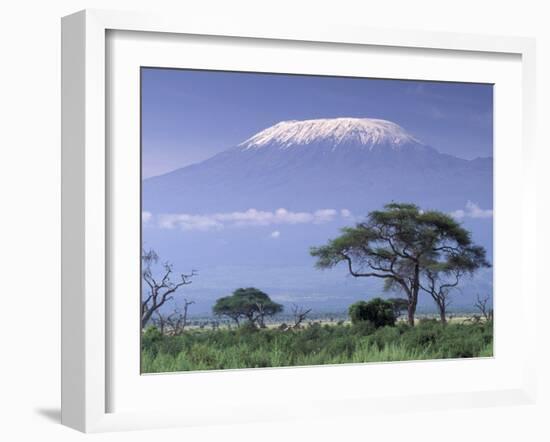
<point>87,207</point>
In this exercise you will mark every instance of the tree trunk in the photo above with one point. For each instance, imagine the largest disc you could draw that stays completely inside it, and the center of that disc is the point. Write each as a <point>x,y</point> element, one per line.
<point>413,299</point>
<point>261,322</point>
<point>145,318</point>
<point>442,314</point>
<point>410,312</point>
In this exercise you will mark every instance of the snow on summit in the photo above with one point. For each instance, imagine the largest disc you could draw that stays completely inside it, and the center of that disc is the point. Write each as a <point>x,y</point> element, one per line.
<point>366,132</point>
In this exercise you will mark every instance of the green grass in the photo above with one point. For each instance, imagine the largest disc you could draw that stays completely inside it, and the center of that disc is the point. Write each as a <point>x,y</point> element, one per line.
<point>313,345</point>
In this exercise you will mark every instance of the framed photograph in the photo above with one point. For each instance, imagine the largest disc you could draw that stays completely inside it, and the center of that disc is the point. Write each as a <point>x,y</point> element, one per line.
<point>267,209</point>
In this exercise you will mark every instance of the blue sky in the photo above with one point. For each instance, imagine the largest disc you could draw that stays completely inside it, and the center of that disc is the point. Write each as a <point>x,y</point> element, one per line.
<point>188,116</point>
<point>257,231</point>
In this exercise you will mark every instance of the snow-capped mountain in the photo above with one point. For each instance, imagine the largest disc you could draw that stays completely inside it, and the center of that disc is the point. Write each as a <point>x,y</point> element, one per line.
<point>248,215</point>
<point>355,163</point>
<point>332,134</point>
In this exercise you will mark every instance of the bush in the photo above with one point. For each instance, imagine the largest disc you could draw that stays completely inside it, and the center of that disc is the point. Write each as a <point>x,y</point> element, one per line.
<point>152,334</point>
<point>462,341</point>
<point>384,336</point>
<point>403,327</point>
<point>363,328</point>
<point>379,312</point>
<point>424,334</point>
<point>248,327</point>
<point>150,339</point>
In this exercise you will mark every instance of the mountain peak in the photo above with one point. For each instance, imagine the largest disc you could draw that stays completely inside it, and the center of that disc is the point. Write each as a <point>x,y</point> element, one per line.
<point>365,132</point>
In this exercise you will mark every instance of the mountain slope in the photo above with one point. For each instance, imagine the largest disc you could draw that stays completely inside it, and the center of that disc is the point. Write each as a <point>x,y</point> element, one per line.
<point>359,164</point>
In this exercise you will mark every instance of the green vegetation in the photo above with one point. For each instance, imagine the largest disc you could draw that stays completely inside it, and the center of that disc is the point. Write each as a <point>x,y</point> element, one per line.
<point>251,347</point>
<point>379,312</point>
<point>413,251</point>
<point>250,304</point>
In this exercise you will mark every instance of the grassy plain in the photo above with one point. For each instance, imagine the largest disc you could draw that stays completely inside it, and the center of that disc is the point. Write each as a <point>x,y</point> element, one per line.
<point>314,344</point>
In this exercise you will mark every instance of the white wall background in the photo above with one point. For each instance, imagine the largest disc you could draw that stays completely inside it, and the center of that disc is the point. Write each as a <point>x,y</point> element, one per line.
<point>30,219</point>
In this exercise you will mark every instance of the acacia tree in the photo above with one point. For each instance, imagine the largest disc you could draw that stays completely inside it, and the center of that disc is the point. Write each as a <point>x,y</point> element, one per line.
<point>484,307</point>
<point>249,303</point>
<point>228,306</point>
<point>397,244</point>
<point>299,314</point>
<point>175,322</point>
<point>440,278</point>
<point>439,285</point>
<point>160,289</point>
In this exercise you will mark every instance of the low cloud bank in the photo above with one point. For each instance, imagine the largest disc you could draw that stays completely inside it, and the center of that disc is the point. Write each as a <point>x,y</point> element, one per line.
<point>472,210</point>
<point>250,217</point>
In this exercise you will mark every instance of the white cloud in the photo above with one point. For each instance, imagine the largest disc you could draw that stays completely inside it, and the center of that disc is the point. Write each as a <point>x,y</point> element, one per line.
<point>275,234</point>
<point>475,211</point>
<point>324,215</point>
<point>250,217</point>
<point>458,214</point>
<point>189,222</point>
<point>146,217</point>
<point>345,213</point>
<point>472,210</point>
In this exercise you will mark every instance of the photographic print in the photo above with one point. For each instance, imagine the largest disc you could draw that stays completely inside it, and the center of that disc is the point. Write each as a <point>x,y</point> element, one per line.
<point>302,220</point>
